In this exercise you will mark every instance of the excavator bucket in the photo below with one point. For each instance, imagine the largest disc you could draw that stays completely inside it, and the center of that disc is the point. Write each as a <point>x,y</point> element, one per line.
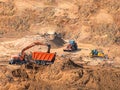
<point>43,58</point>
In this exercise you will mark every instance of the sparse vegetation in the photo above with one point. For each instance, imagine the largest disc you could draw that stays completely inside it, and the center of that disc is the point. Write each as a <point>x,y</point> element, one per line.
<point>106,31</point>
<point>7,8</point>
<point>47,16</point>
<point>94,24</point>
<point>49,2</point>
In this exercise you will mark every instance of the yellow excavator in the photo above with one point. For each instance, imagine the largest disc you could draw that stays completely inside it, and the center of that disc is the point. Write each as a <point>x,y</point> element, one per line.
<point>96,53</point>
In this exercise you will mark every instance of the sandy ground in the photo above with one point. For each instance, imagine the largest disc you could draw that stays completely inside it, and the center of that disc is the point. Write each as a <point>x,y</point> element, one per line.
<point>94,24</point>
<point>75,70</point>
<point>12,46</point>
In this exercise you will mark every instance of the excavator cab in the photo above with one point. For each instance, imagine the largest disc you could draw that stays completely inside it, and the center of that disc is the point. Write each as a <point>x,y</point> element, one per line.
<point>72,46</point>
<point>16,59</point>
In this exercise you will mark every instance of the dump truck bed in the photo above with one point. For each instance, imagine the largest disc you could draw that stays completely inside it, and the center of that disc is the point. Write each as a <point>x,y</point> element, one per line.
<point>43,56</point>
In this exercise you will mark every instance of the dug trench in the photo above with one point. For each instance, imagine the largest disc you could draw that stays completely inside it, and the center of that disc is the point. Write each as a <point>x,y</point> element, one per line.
<point>62,75</point>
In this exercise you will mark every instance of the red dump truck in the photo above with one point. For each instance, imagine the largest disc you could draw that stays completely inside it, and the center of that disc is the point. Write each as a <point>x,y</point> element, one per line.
<point>43,58</point>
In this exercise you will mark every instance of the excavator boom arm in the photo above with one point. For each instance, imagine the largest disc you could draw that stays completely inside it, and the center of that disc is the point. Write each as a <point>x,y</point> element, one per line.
<point>32,45</point>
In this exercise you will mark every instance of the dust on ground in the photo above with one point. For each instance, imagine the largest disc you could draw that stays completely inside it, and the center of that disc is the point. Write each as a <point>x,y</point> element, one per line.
<point>94,24</point>
<point>71,70</point>
<point>64,74</point>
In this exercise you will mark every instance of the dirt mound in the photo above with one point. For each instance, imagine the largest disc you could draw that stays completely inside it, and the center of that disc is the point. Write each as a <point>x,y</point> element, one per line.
<point>64,74</point>
<point>57,42</point>
<point>86,21</point>
<point>20,73</point>
<point>65,65</point>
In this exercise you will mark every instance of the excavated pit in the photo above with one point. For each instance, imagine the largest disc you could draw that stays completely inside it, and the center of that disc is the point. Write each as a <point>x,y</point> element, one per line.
<point>92,23</point>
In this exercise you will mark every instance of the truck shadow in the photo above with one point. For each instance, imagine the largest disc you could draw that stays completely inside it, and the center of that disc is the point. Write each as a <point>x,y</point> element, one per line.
<point>78,50</point>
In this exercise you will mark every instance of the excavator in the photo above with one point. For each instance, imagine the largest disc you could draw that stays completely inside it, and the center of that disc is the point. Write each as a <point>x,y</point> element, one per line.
<point>72,46</point>
<point>37,57</point>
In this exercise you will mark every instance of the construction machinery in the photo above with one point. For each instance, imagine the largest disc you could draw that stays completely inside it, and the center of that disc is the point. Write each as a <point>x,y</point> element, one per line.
<point>36,57</point>
<point>72,46</point>
<point>96,53</point>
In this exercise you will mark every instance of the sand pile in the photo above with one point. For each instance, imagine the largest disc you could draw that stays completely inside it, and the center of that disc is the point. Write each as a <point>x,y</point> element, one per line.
<point>57,42</point>
<point>93,21</point>
<point>62,75</point>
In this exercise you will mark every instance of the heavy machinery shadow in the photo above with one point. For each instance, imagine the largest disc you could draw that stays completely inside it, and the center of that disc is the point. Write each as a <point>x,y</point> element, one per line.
<point>74,64</point>
<point>57,42</point>
<point>78,50</point>
<point>72,51</point>
<point>31,66</point>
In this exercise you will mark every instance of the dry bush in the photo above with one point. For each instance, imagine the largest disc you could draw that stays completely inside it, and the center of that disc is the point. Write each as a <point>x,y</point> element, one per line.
<point>15,23</point>
<point>42,15</point>
<point>111,5</point>
<point>47,16</point>
<point>117,21</point>
<point>7,8</point>
<point>107,30</point>
<point>116,17</point>
<point>87,9</point>
<point>49,2</point>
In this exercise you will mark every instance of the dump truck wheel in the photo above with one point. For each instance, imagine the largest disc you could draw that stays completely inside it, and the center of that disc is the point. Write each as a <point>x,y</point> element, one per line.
<point>11,62</point>
<point>36,62</point>
<point>43,62</point>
